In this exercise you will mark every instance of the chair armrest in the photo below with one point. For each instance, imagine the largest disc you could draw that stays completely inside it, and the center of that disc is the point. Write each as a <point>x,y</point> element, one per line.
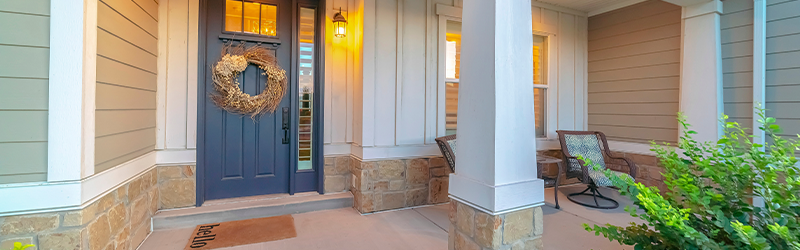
<point>631,165</point>
<point>584,168</point>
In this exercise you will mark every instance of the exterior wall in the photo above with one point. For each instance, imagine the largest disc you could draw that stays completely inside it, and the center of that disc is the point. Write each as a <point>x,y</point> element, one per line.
<point>176,117</point>
<point>340,71</point>
<point>783,64</point>
<point>736,34</point>
<point>392,184</point>
<point>634,72</point>
<point>126,81</point>
<point>24,75</point>
<point>118,220</point>
<point>399,98</point>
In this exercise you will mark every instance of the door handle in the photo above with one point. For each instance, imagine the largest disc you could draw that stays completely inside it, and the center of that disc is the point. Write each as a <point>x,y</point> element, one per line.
<point>286,125</point>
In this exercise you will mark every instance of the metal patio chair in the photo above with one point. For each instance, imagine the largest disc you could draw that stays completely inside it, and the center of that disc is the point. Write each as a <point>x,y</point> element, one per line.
<point>587,144</point>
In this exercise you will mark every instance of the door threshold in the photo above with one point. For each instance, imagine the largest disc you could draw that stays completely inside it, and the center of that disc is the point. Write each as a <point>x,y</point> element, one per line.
<point>254,198</point>
<point>250,209</point>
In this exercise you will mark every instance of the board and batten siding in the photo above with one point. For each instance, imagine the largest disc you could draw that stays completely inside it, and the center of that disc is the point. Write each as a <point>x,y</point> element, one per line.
<point>736,36</point>
<point>634,72</point>
<point>783,64</point>
<point>127,49</point>
<point>25,52</point>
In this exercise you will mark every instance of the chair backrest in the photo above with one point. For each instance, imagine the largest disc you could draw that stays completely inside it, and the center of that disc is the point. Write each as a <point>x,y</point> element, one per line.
<point>447,144</point>
<point>584,143</point>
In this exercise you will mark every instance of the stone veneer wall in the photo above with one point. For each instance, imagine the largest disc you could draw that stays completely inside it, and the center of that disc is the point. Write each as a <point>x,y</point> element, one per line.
<point>337,174</point>
<point>391,184</point>
<point>472,229</point>
<point>118,220</point>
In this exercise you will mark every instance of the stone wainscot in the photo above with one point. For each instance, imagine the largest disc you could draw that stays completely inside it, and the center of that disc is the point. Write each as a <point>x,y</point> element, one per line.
<point>118,220</point>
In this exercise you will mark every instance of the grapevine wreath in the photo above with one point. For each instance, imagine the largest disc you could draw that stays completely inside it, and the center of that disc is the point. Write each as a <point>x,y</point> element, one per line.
<point>225,75</point>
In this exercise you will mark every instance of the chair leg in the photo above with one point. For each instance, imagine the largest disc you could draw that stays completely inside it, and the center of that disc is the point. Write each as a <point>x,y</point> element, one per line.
<point>595,194</point>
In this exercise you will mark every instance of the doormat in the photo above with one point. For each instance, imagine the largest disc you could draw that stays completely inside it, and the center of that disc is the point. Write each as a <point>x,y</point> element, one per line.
<point>242,232</point>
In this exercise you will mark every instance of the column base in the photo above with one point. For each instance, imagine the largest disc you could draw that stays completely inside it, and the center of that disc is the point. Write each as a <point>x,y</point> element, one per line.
<point>472,228</point>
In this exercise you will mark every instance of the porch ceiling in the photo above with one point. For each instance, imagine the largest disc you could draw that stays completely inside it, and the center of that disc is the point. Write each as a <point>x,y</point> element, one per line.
<point>592,7</point>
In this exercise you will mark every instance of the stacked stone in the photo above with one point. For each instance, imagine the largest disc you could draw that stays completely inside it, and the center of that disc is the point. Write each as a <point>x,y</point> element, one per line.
<point>392,184</point>
<point>118,220</point>
<point>337,174</point>
<point>177,186</point>
<point>472,229</point>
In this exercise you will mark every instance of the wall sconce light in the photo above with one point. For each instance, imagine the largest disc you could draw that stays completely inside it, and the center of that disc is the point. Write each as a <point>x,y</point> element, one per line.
<point>339,24</point>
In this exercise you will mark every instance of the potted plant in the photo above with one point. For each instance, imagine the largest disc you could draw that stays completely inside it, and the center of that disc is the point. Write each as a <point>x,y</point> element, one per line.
<point>711,188</point>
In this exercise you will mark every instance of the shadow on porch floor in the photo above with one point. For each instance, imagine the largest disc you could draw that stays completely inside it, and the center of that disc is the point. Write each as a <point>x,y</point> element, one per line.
<point>419,228</point>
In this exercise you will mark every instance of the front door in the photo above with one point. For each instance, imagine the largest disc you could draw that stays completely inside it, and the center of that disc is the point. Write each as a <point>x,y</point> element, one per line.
<point>242,156</point>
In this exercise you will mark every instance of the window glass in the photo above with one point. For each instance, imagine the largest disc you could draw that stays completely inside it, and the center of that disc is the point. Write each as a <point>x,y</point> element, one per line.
<point>540,82</point>
<point>233,15</point>
<point>269,15</point>
<point>306,87</point>
<point>452,65</point>
<point>251,17</point>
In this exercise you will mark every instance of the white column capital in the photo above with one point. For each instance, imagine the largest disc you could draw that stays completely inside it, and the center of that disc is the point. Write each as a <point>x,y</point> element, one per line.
<point>699,9</point>
<point>496,163</point>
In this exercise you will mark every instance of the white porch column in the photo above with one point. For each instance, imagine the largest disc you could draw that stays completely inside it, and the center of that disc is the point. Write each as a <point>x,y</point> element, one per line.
<point>495,180</point>
<point>701,67</point>
<point>496,162</point>
<point>73,53</point>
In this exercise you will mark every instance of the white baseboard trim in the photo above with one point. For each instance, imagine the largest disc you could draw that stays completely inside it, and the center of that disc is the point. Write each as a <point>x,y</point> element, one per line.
<point>336,149</point>
<point>98,185</point>
<point>395,152</point>
<point>174,157</point>
<point>497,199</point>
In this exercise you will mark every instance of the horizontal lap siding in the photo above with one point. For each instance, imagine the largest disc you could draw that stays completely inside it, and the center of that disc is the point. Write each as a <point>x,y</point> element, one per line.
<point>24,48</point>
<point>127,49</point>
<point>634,72</point>
<point>736,29</point>
<point>783,64</point>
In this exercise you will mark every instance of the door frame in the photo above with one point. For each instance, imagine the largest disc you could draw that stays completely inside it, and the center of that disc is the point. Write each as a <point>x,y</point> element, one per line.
<point>318,107</point>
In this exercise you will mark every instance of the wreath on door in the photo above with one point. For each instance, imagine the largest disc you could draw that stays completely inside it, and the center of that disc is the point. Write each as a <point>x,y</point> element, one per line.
<point>225,75</point>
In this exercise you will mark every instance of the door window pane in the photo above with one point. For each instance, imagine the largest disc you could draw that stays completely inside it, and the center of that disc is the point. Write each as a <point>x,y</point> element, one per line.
<point>306,87</point>
<point>233,15</point>
<point>251,17</point>
<point>269,15</point>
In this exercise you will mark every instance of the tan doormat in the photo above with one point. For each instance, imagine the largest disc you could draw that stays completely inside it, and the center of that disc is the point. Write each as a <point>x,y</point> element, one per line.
<point>242,232</point>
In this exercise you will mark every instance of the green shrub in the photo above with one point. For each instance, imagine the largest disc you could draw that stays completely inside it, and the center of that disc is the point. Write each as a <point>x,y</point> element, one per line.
<point>19,246</point>
<point>710,188</point>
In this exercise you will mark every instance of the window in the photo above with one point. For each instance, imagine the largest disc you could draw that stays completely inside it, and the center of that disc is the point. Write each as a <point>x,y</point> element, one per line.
<point>250,18</point>
<point>540,83</point>
<point>452,65</point>
<point>306,36</point>
<point>452,56</point>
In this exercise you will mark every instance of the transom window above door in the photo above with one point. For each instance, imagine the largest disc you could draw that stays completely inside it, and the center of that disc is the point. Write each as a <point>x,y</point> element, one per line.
<point>251,18</point>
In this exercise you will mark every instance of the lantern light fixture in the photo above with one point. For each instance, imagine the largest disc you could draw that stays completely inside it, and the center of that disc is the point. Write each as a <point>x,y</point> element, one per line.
<point>339,24</point>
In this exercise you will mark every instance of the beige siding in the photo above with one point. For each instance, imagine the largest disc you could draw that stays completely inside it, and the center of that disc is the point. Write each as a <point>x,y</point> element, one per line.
<point>24,49</point>
<point>783,64</point>
<point>127,49</point>
<point>634,72</point>
<point>736,28</point>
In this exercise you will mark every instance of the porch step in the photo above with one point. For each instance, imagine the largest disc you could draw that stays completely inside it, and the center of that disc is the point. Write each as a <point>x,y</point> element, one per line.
<point>249,208</point>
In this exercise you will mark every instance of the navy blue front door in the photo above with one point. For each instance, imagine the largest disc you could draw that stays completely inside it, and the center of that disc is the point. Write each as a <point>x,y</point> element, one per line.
<point>242,156</point>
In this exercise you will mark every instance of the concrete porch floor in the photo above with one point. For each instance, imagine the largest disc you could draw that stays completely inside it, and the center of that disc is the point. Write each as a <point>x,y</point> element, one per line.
<point>420,228</point>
